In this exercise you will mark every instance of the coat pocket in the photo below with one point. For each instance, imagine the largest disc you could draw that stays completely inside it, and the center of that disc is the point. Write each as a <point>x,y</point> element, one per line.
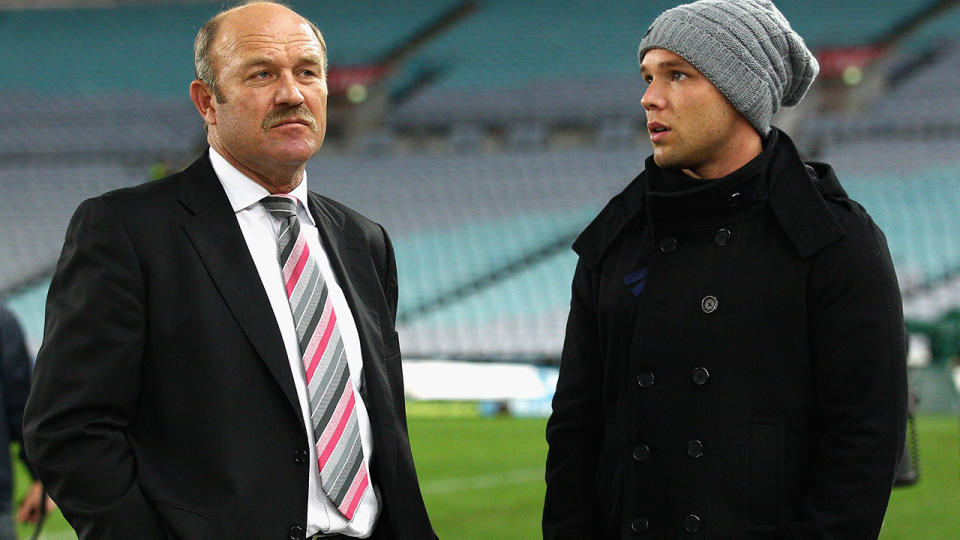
<point>609,479</point>
<point>765,473</point>
<point>186,523</point>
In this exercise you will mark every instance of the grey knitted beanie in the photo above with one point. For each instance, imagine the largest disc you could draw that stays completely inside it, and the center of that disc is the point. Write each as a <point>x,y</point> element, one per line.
<point>746,48</point>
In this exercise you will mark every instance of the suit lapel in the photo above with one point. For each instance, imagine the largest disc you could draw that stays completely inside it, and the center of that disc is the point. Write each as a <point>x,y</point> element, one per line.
<point>216,235</point>
<point>351,263</point>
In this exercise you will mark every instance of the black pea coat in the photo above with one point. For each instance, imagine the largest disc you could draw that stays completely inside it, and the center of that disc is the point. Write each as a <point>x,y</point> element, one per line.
<point>734,365</point>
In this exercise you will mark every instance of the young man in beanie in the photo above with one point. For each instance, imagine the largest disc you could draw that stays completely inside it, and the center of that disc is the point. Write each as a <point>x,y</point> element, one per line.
<point>734,357</point>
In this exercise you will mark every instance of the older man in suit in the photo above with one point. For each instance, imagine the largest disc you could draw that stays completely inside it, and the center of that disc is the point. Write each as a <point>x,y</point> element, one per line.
<point>220,358</point>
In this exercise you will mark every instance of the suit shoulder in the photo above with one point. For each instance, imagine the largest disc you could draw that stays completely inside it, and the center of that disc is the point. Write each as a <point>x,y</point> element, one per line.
<point>143,198</point>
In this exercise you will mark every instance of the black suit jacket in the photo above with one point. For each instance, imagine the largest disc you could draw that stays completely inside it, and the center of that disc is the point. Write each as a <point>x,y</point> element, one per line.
<point>163,405</point>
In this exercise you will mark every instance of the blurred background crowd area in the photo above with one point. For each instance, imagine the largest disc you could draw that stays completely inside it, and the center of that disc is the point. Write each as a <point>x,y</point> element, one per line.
<point>484,135</point>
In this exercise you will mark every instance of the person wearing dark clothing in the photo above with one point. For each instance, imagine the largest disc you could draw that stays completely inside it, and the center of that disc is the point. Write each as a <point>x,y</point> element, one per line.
<point>734,360</point>
<point>14,388</point>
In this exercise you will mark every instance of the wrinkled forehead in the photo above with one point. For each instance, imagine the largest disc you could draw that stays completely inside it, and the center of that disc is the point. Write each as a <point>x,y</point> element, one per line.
<point>276,30</point>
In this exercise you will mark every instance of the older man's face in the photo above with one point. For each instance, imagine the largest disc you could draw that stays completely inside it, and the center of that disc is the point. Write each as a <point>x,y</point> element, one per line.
<point>269,66</point>
<point>692,125</point>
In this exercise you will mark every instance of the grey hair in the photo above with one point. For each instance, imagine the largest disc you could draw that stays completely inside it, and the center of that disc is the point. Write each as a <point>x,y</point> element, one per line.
<point>202,58</point>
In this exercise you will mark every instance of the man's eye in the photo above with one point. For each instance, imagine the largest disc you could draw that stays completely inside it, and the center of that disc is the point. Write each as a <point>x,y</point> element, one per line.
<point>261,75</point>
<point>677,76</point>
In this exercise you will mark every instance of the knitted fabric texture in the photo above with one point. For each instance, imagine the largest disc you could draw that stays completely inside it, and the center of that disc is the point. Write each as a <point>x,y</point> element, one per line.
<point>746,48</point>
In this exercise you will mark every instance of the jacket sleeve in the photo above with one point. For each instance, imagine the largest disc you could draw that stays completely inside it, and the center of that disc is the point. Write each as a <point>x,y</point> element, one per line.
<point>14,377</point>
<point>859,363</point>
<point>87,382</point>
<point>574,428</point>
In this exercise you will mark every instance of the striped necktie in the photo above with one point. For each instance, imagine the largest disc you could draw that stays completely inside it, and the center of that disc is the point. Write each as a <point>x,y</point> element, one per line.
<point>343,474</point>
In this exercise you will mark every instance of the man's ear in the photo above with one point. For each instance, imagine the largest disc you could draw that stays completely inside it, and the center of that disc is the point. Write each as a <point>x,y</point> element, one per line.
<point>204,100</point>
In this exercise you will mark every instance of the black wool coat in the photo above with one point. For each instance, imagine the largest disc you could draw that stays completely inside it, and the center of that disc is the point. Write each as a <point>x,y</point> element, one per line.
<point>734,364</point>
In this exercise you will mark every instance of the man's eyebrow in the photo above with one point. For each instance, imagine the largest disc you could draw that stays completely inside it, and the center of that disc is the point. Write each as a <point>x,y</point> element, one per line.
<point>669,64</point>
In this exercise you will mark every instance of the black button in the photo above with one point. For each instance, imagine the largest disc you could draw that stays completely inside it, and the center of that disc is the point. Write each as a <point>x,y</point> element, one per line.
<point>692,523</point>
<point>695,449</point>
<point>295,532</point>
<point>640,525</point>
<point>700,376</point>
<point>709,304</point>
<point>668,244</point>
<point>641,452</point>
<point>722,237</point>
<point>734,200</point>
<point>645,379</point>
<point>301,456</point>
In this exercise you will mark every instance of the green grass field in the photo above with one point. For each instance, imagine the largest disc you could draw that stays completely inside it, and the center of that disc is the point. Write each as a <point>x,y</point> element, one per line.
<point>482,478</point>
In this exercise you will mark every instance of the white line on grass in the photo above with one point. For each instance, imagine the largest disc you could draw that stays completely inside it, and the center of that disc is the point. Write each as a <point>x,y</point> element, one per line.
<point>483,481</point>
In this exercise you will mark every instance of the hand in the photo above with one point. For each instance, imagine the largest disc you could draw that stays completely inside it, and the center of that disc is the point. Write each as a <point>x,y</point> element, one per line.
<point>29,510</point>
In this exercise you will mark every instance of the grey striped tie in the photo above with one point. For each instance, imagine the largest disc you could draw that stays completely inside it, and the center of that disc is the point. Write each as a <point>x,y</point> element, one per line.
<point>343,475</point>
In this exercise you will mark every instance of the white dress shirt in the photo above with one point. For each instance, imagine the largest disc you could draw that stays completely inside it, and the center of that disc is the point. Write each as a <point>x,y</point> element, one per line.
<point>261,230</point>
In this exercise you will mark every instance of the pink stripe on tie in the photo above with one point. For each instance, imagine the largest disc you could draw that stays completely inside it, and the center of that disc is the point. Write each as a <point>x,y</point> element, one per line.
<point>352,499</point>
<point>297,270</point>
<point>322,348</point>
<point>335,437</point>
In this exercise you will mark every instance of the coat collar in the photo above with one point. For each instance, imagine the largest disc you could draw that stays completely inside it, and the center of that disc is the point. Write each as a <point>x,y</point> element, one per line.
<point>794,192</point>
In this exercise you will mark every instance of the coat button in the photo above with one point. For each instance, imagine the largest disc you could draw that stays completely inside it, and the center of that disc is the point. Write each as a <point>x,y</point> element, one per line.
<point>734,200</point>
<point>295,532</point>
<point>640,525</point>
<point>722,237</point>
<point>700,376</point>
<point>709,304</point>
<point>691,523</point>
<point>695,449</point>
<point>641,453</point>
<point>668,244</point>
<point>645,379</point>
<point>301,456</point>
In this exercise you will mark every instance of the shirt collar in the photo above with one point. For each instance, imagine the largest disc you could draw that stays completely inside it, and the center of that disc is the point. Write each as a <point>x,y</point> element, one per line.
<point>242,192</point>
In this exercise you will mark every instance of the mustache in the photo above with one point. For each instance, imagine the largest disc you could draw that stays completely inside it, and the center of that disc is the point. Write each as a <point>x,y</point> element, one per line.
<point>279,116</point>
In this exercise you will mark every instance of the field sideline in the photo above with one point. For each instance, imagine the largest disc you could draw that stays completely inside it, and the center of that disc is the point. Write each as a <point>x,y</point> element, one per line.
<point>482,478</point>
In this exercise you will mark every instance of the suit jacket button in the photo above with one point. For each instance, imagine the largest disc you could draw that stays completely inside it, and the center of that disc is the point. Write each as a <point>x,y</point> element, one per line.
<point>668,244</point>
<point>640,525</point>
<point>692,523</point>
<point>722,237</point>
<point>641,453</point>
<point>645,379</point>
<point>709,304</point>
<point>694,448</point>
<point>300,456</point>
<point>296,532</point>
<point>700,376</point>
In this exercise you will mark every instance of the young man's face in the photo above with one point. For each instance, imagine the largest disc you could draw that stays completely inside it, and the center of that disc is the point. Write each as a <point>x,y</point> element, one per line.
<point>693,127</point>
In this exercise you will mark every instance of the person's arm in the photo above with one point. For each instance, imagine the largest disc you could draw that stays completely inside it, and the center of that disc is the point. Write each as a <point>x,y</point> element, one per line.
<point>574,429</point>
<point>859,354</point>
<point>87,382</point>
<point>15,378</point>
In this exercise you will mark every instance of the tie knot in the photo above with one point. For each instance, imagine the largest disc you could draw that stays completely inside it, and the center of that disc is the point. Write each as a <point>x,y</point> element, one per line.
<point>282,207</point>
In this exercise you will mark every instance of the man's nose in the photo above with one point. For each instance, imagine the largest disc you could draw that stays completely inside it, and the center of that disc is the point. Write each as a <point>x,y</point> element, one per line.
<point>288,92</point>
<point>652,98</point>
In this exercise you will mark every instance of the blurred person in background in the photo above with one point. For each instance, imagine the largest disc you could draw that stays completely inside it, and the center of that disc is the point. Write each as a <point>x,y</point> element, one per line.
<point>220,359</point>
<point>734,361</point>
<point>14,387</point>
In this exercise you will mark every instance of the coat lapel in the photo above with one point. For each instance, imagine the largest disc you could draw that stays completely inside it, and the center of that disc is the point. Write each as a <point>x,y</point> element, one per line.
<point>216,235</point>
<point>352,264</point>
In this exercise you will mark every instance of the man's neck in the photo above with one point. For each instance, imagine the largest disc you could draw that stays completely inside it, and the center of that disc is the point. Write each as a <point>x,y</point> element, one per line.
<point>276,181</point>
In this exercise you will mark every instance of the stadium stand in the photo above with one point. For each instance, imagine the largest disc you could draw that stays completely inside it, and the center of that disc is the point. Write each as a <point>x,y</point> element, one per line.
<point>466,162</point>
